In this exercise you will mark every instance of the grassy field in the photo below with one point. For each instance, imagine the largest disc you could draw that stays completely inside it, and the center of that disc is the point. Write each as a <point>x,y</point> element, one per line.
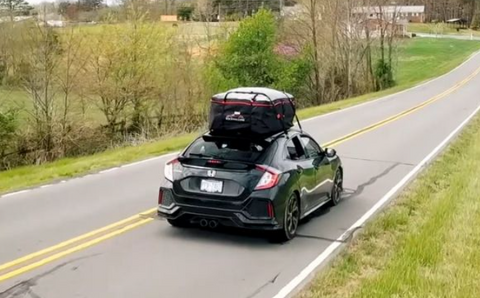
<point>419,60</point>
<point>426,244</point>
<point>439,29</point>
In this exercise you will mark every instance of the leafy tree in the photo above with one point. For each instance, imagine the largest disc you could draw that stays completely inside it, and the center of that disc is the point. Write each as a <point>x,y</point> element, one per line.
<point>15,8</point>
<point>244,7</point>
<point>248,58</point>
<point>68,10</point>
<point>89,5</point>
<point>185,12</point>
<point>476,14</point>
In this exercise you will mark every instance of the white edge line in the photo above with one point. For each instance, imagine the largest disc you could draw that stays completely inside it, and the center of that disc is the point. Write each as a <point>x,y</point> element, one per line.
<point>15,193</point>
<point>109,170</point>
<point>472,56</point>
<point>306,120</point>
<point>148,160</point>
<point>305,273</point>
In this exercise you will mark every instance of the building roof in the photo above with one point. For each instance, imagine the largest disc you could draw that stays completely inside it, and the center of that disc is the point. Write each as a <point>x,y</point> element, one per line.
<point>390,9</point>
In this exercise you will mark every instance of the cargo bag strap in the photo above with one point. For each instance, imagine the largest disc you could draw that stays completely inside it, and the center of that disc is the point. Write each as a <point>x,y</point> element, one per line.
<point>223,109</point>
<point>294,110</point>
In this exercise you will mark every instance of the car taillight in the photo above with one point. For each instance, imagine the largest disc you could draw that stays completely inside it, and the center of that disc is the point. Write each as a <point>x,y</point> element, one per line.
<point>168,169</point>
<point>269,178</point>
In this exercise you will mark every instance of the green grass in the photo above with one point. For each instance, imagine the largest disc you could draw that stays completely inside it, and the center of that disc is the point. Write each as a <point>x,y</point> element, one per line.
<point>86,112</point>
<point>426,244</point>
<point>192,30</point>
<point>439,29</point>
<point>419,60</point>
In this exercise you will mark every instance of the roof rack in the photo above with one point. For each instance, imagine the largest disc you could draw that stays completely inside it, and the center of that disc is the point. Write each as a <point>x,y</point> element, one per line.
<point>269,139</point>
<point>248,92</point>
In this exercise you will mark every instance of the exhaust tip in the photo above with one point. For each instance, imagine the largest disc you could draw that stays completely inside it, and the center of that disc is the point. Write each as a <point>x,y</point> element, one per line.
<point>203,223</point>
<point>213,224</point>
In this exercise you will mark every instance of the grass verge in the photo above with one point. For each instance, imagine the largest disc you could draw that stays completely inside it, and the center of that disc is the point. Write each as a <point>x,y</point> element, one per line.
<point>419,60</point>
<point>426,243</point>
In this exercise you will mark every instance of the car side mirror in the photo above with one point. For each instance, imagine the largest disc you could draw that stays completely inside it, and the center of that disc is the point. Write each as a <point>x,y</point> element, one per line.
<point>330,153</point>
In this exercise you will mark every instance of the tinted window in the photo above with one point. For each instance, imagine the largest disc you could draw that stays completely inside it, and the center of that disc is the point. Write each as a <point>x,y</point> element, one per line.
<point>311,147</point>
<point>226,149</point>
<point>295,149</point>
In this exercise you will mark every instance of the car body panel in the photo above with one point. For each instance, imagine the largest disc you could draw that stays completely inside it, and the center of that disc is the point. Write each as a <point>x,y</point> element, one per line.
<point>239,205</point>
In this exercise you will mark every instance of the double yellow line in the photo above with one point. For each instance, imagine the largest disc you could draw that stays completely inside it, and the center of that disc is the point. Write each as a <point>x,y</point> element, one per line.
<point>393,118</point>
<point>48,255</point>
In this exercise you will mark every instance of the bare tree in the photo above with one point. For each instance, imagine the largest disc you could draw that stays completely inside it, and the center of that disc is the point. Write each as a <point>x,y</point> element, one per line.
<point>42,61</point>
<point>342,37</point>
<point>67,78</point>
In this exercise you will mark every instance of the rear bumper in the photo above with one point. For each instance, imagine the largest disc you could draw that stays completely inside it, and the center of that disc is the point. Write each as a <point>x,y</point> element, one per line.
<point>233,217</point>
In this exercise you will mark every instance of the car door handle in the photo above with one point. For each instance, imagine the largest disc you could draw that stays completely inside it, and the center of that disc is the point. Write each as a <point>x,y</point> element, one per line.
<point>299,169</point>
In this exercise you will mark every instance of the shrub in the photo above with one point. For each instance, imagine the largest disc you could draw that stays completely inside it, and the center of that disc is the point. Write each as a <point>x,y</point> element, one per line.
<point>185,12</point>
<point>384,75</point>
<point>8,129</point>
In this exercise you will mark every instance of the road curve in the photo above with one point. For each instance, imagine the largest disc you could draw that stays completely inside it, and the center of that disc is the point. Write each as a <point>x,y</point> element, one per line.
<point>153,259</point>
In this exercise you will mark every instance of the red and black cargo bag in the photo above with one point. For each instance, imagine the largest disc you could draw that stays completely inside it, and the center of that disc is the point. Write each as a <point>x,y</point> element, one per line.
<point>256,112</point>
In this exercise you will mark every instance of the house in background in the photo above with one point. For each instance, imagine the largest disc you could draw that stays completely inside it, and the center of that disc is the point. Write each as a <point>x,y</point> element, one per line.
<point>374,27</point>
<point>169,18</point>
<point>410,13</point>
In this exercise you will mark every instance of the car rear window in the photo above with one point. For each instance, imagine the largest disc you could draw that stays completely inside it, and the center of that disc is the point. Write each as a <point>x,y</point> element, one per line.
<point>227,149</point>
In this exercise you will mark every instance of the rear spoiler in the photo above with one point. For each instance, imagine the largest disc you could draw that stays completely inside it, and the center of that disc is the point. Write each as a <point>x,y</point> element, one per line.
<point>217,162</point>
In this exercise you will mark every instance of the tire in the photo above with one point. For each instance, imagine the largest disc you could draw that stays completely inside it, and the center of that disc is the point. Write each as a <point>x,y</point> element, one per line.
<point>337,189</point>
<point>178,223</point>
<point>290,221</point>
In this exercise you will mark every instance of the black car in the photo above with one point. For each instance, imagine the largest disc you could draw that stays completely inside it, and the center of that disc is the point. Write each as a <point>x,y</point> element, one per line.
<point>267,184</point>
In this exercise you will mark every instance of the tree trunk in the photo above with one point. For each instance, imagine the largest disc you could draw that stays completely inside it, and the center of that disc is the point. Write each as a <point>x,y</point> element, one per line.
<point>317,84</point>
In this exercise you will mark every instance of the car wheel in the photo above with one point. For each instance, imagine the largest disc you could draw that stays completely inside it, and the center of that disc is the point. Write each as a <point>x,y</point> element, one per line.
<point>178,223</point>
<point>290,222</point>
<point>337,189</point>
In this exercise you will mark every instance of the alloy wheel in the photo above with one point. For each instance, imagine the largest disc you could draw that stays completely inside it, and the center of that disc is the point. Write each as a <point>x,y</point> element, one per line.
<point>337,188</point>
<point>292,216</point>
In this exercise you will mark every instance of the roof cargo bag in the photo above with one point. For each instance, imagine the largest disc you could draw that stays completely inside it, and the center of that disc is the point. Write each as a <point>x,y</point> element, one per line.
<point>257,112</point>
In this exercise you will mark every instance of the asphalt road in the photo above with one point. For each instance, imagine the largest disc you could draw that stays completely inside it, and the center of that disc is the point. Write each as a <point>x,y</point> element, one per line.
<point>156,260</point>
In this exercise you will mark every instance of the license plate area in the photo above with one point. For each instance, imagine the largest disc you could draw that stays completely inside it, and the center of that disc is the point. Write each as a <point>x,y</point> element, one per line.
<point>211,186</point>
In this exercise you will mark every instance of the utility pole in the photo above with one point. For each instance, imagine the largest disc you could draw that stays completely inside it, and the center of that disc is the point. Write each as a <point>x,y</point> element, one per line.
<point>281,5</point>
